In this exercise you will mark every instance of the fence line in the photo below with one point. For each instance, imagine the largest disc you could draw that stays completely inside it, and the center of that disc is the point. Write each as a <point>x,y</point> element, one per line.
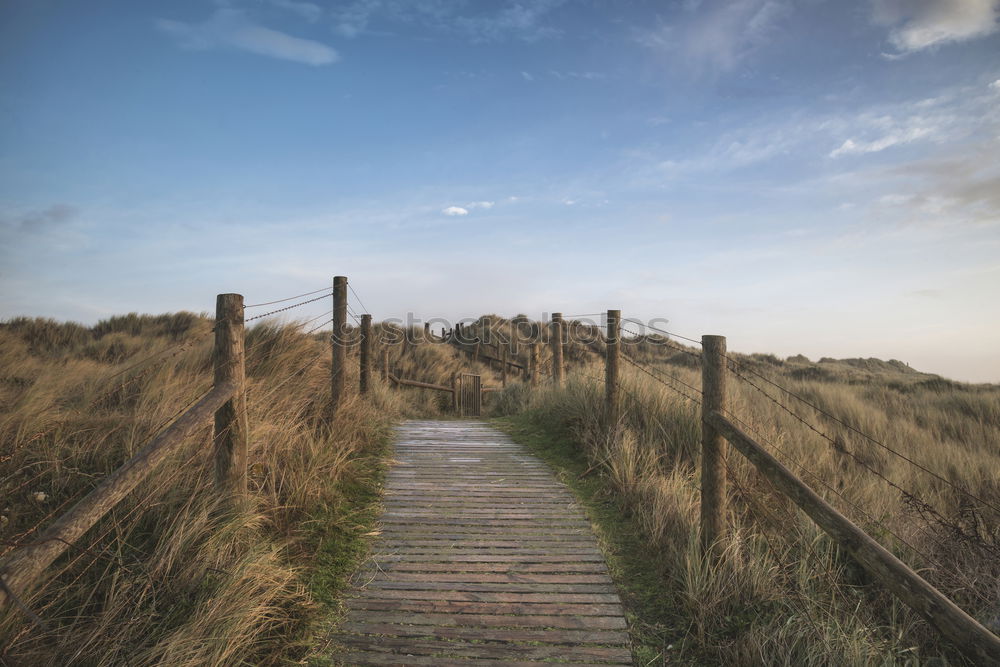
<point>25,566</point>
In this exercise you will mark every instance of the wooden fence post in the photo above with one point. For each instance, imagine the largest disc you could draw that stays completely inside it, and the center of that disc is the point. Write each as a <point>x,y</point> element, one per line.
<point>231,426</point>
<point>503,362</point>
<point>385,363</point>
<point>557,348</point>
<point>611,365</point>
<point>455,394</point>
<point>366,352</point>
<point>713,444</point>
<point>427,331</point>
<point>968,635</point>
<point>339,343</point>
<point>533,363</point>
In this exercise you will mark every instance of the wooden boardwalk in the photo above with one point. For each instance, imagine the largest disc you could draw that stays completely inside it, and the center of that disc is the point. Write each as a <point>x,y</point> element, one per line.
<point>484,559</point>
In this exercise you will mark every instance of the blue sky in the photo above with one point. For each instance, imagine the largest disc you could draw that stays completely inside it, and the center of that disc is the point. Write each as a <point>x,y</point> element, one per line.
<point>802,176</point>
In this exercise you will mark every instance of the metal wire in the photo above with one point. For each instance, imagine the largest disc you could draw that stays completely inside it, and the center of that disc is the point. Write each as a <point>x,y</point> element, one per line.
<point>829,487</point>
<point>315,329</point>
<point>297,296</point>
<point>668,343</point>
<point>736,364</point>
<point>648,372</point>
<point>662,331</point>
<point>294,305</point>
<point>826,414</point>
<point>360,302</point>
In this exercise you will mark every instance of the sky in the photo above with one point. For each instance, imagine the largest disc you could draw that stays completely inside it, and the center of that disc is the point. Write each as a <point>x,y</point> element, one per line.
<point>810,176</point>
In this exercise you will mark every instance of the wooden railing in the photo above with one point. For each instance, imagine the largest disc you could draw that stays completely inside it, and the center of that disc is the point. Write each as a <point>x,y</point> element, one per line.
<point>24,567</point>
<point>965,632</point>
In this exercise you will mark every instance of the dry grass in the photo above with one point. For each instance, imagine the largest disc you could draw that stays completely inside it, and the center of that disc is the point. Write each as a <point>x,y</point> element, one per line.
<point>783,593</point>
<point>170,576</point>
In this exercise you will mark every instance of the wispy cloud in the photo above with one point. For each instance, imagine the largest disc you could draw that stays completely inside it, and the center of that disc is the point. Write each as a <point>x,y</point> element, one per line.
<point>514,19</point>
<point>39,220</point>
<point>480,204</point>
<point>306,10</point>
<point>233,29</point>
<point>903,136</point>
<point>455,210</point>
<point>718,35</point>
<point>916,25</point>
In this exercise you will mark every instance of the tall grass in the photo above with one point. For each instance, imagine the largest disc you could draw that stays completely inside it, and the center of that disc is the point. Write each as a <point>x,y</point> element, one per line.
<point>783,593</point>
<point>170,576</point>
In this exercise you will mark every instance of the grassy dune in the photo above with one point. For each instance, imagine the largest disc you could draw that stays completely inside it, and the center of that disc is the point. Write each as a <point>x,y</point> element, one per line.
<point>171,577</point>
<point>783,593</point>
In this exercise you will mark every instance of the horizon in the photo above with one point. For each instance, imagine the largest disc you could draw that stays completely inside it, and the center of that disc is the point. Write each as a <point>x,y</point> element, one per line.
<point>810,178</point>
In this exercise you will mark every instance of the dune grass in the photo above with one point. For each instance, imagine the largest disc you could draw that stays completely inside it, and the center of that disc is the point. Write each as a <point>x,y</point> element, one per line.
<point>172,577</point>
<point>783,593</point>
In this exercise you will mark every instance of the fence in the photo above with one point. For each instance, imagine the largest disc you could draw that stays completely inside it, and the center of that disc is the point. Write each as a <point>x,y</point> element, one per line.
<point>25,566</point>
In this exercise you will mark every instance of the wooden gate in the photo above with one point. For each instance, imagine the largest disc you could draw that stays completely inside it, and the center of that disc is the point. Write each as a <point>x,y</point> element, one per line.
<point>472,395</point>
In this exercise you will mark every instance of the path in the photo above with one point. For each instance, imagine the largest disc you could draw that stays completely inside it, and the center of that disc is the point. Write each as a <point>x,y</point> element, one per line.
<point>484,559</point>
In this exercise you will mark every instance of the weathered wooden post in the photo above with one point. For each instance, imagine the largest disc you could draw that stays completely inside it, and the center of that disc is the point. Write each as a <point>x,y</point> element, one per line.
<point>339,338</point>
<point>503,362</point>
<point>427,331</point>
<point>366,352</point>
<point>557,348</point>
<point>611,365</point>
<point>385,364</point>
<point>455,395</point>
<point>231,426</point>
<point>475,354</point>
<point>713,444</point>
<point>533,363</point>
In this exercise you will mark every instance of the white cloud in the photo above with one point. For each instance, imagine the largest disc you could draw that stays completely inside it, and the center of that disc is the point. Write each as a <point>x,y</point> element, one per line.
<point>852,147</point>
<point>231,28</point>
<point>527,76</point>
<point>480,204</point>
<point>919,24</point>
<point>455,210</point>
<point>995,85</point>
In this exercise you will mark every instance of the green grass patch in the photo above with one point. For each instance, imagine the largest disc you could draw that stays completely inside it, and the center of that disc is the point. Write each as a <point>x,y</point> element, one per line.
<point>341,535</point>
<point>656,628</point>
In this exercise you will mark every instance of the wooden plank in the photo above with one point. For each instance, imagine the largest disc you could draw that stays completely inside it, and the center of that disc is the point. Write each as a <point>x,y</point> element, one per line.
<point>511,587</point>
<point>612,655</point>
<point>484,578</point>
<point>521,568</point>
<point>455,607</point>
<point>492,620</point>
<point>376,658</point>
<point>470,596</point>
<point>482,556</point>
<point>572,637</point>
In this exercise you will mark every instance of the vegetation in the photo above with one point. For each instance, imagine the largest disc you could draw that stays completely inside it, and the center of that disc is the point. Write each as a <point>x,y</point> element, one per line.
<point>783,593</point>
<point>172,577</point>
